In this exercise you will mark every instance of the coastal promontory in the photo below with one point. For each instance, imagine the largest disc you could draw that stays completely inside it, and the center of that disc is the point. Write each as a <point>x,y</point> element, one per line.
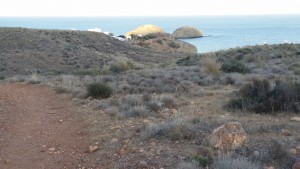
<point>144,30</point>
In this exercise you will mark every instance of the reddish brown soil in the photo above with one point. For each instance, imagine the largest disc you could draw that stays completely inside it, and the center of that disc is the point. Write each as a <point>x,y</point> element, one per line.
<point>41,130</point>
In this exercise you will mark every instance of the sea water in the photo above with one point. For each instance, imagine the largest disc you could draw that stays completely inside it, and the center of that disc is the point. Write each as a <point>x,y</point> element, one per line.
<point>221,32</point>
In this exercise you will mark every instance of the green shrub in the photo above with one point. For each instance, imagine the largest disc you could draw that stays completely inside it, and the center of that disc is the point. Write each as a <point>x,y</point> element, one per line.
<point>121,66</point>
<point>200,160</point>
<point>159,41</point>
<point>2,77</point>
<point>295,68</point>
<point>234,66</point>
<point>261,98</point>
<point>99,90</point>
<point>174,45</point>
<point>187,61</point>
<point>149,36</point>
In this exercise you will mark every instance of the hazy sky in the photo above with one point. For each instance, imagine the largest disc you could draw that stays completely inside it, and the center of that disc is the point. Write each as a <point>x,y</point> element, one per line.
<point>146,7</point>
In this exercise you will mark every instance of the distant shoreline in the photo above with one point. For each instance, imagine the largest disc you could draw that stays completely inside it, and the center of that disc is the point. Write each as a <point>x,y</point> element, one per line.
<point>226,31</point>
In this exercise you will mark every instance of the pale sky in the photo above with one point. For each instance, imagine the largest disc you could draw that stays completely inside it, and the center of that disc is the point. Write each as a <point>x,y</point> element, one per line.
<point>146,7</point>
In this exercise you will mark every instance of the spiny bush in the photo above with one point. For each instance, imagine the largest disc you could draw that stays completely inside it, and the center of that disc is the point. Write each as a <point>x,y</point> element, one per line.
<point>99,90</point>
<point>234,66</point>
<point>259,97</point>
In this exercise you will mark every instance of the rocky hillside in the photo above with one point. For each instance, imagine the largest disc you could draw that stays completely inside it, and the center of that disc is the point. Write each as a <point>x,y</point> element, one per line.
<point>164,42</point>
<point>24,51</point>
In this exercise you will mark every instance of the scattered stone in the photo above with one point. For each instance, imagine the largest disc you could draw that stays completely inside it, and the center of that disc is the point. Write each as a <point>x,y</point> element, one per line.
<point>143,164</point>
<point>52,149</point>
<point>7,162</point>
<point>256,153</point>
<point>293,152</point>
<point>93,148</point>
<point>228,136</point>
<point>295,119</point>
<point>173,111</point>
<point>286,132</point>
<point>114,140</point>
<point>121,152</point>
<point>146,121</point>
<point>61,120</point>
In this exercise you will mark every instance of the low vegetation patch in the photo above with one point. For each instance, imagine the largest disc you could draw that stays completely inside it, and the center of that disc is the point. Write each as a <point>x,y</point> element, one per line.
<point>174,45</point>
<point>228,162</point>
<point>234,66</point>
<point>260,97</point>
<point>159,41</point>
<point>120,66</point>
<point>295,68</point>
<point>99,90</point>
<point>211,64</point>
<point>172,129</point>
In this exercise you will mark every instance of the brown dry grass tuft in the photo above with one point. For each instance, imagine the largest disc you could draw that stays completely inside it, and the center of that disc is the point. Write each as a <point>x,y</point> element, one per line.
<point>211,64</point>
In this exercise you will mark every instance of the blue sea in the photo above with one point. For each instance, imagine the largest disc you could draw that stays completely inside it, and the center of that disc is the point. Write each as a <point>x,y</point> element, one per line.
<point>221,32</point>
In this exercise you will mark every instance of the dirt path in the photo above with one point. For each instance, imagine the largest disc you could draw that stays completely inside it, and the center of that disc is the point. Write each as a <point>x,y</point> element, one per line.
<point>40,130</point>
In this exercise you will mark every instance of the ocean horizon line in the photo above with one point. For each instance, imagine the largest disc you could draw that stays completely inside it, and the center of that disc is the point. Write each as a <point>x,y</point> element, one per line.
<point>154,16</point>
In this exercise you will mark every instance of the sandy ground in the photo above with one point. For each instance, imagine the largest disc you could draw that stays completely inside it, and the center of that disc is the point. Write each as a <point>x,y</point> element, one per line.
<point>40,129</point>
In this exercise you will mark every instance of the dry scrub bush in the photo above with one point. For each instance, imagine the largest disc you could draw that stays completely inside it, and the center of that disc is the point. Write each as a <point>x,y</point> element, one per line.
<point>260,97</point>
<point>228,162</point>
<point>211,64</point>
<point>172,129</point>
<point>99,90</point>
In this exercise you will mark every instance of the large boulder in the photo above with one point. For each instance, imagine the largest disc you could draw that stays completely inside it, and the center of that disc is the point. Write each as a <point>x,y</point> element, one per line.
<point>187,32</point>
<point>228,136</point>
<point>144,30</point>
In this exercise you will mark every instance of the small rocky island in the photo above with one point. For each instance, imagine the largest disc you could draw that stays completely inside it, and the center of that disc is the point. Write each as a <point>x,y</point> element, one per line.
<point>187,32</point>
<point>152,36</point>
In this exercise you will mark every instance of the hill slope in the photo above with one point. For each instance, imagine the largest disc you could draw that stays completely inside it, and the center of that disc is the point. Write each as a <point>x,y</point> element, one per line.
<point>24,51</point>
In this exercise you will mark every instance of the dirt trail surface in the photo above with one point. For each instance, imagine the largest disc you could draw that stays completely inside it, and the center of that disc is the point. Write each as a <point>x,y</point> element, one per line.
<point>40,130</point>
